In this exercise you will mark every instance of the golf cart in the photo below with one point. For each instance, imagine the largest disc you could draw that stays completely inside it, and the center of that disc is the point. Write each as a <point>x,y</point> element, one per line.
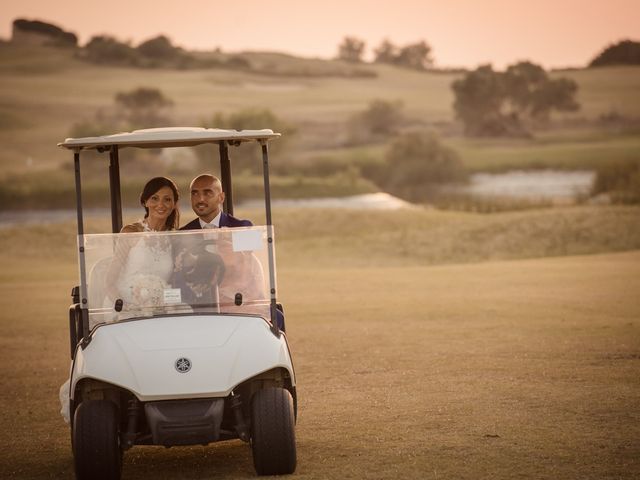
<point>190,359</point>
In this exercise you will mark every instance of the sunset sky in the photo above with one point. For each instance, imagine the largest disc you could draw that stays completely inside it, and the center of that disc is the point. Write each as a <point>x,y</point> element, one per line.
<point>554,33</point>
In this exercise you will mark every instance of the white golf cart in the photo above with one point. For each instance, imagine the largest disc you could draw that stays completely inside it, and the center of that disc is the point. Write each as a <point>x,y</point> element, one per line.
<point>187,360</point>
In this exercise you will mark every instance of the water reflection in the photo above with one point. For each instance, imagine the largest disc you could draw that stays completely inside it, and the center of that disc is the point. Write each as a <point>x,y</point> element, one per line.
<point>536,184</point>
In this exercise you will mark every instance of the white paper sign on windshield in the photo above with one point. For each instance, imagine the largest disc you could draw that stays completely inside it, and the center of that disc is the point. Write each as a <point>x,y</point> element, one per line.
<point>172,295</point>
<point>247,240</point>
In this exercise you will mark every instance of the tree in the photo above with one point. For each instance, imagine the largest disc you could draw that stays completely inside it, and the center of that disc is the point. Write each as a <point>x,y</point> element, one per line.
<point>521,80</point>
<point>158,48</point>
<point>491,103</point>
<point>386,52</point>
<point>478,101</point>
<point>351,50</point>
<point>106,49</point>
<point>533,93</point>
<point>626,52</point>
<point>415,56</point>
<point>557,95</point>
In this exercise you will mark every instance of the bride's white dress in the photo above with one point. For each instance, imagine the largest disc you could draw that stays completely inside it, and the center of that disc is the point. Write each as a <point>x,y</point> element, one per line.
<point>144,276</point>
<point>146,273</point>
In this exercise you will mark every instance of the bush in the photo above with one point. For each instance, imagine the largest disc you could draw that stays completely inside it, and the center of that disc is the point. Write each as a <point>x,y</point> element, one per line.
<point>619,180</point>
<point>143,107</point>
<point>416,164</point>
<point>380,120</point>
<point>247,156</point>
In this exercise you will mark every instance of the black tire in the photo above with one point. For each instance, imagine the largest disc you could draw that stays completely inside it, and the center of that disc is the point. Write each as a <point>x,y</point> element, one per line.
<point>96,443</point>
<point>273,439</point>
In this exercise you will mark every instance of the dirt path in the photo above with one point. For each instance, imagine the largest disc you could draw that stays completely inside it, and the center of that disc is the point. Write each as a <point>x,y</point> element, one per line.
<point>498,370</point>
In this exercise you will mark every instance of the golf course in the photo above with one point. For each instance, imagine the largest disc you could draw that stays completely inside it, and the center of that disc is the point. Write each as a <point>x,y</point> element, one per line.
<point>457,342</point>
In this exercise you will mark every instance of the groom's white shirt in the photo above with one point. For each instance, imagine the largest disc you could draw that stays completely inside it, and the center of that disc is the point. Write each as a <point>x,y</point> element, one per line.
<point>215,223</point>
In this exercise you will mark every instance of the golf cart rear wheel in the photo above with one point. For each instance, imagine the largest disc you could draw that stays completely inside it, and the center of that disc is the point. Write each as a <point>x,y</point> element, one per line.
<point>96,447</point>
<point>273,440</point>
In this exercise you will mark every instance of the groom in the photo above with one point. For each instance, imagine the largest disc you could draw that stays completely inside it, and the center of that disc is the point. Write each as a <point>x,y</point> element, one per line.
<point>197,267</point>
<point>207,198</point>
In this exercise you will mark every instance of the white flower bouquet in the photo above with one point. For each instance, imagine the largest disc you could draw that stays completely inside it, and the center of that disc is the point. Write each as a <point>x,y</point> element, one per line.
<point>146,291</point>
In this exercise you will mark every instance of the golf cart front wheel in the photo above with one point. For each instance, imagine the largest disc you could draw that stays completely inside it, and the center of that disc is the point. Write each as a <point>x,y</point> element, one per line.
<point>273,440</point>
<point>96,447</point>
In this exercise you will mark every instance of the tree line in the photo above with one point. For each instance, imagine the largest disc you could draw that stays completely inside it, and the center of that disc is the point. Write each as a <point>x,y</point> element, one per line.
<point>416,56</point>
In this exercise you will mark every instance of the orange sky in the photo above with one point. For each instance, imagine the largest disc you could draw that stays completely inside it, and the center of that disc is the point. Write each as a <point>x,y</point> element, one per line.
<point>553,33</point>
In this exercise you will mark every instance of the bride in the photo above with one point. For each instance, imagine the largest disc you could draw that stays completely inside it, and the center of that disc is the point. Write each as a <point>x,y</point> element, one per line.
<point>141,268</point>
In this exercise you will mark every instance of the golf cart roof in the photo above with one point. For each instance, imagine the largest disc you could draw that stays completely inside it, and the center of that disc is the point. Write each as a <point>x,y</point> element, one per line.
<point>168,137</point>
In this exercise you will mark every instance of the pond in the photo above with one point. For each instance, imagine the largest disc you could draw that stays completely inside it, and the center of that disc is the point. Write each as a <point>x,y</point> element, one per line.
<point>539,184</point>
<point>531,184</point>
<point>368,201</point>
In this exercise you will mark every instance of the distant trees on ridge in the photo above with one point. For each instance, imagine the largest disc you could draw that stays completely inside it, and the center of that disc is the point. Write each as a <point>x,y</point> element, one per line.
<point>416,56</point>
<point>626,52</point>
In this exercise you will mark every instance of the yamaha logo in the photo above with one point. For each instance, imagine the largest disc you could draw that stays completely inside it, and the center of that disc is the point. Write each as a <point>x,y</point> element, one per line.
<point>183,365</point>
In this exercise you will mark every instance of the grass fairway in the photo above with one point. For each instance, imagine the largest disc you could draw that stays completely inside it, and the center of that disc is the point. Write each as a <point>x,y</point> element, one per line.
<point>502,369</point>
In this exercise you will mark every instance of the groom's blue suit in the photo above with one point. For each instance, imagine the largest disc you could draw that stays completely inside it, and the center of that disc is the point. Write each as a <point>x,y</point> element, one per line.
<point>232,222</point>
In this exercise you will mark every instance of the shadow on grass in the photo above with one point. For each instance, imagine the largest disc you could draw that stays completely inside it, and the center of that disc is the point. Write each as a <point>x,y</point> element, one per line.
<point>230,459</point>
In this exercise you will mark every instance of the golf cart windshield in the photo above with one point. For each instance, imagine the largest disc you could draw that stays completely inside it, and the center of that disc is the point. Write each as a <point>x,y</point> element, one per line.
<point>140,275</point>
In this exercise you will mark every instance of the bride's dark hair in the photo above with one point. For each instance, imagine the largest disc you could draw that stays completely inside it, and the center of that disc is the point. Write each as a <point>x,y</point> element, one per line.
<point>152,187</point>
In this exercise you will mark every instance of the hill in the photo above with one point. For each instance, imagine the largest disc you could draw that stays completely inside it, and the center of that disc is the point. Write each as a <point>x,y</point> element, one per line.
<point>45,91</point>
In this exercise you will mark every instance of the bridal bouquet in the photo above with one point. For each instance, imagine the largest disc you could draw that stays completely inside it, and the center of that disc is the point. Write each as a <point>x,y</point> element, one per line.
<point>147,290</point>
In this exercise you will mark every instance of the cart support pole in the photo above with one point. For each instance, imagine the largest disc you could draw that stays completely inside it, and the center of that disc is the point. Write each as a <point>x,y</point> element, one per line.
<point>76,168</point>
<point>84,312</point>
<point>270,246</point>
<point>225,173</point>
<point>114,189</point>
